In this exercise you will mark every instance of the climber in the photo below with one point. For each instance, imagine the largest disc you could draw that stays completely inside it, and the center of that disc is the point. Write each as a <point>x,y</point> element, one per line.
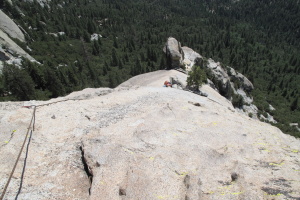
<point>167,84</point>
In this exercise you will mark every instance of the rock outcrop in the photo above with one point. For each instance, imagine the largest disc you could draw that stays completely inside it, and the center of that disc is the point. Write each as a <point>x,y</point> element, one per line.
<point>220,77</point>
<point>10,28</point>
<point>186,57</point>
<point>145,141</point>
<point>245,83</point>
<point>173,53</point>
<point>178,56</point>
<point>190,58</point>
<point>224,79</point>
<point>10,52</point>
<point>95,36</point>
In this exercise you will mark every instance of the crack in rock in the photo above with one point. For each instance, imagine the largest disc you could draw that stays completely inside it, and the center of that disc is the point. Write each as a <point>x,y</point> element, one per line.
<point>87,168</point>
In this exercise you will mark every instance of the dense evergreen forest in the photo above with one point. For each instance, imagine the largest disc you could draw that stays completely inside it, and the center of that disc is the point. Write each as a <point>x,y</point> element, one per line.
<point>260,39</point>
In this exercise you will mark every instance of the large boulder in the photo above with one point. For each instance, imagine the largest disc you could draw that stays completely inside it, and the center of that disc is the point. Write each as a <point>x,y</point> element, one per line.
<point>173,53</point>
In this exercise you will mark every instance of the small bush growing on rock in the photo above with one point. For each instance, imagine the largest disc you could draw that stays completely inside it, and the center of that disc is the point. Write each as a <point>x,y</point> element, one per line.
<point>265,114</point>
<point>202,62</point>
<point>183,67</point>
<point>237,83</point>
<point>196,78</point>
<point>237,101</point>
<point>228,71</point>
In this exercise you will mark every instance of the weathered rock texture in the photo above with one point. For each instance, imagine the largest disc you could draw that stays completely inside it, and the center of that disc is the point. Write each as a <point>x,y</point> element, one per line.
<point>10,52</point>
<point>190,58</point>
<point>145,141</point>
<point>9,27</point>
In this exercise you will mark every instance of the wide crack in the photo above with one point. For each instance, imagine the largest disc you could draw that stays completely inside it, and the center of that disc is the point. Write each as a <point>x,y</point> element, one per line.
<point>87,169</point>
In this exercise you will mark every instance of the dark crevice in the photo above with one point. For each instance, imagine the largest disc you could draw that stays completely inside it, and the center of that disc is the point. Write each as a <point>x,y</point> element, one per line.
<point>122,192</point>
<point>187,183</point>
<point>87,169</point>
<point>234,176</point>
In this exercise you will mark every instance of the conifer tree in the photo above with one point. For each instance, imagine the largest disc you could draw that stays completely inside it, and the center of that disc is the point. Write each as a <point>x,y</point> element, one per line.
<point>18,82</point>
<point>294,104</point>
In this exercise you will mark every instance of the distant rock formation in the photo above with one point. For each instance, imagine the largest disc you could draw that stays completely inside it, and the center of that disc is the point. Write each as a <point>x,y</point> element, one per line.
<point>8,26</point>
<point>228,79</point>
<point>173,53</point>
<point>224,79</point>
<point>10,52</point>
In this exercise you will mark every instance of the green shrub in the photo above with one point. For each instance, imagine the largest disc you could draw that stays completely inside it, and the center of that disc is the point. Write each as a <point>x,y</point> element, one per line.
<point>237,101</point>
<point>196,77</point>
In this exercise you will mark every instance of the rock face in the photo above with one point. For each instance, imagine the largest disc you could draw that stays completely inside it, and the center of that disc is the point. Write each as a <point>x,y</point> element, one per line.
<point>145,141</point>
<point>10,52</point>
<point>228,80</point>
<point>220,76</point>
<point>9,27</point>
<point>246,84</point>
<point>173,53</point>
<point>190,58</point>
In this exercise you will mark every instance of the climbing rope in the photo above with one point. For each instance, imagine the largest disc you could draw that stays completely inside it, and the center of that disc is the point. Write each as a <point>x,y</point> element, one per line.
<point>29,129</point>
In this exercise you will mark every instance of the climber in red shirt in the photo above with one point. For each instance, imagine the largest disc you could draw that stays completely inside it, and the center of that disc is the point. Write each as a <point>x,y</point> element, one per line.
<point>167,84</point>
